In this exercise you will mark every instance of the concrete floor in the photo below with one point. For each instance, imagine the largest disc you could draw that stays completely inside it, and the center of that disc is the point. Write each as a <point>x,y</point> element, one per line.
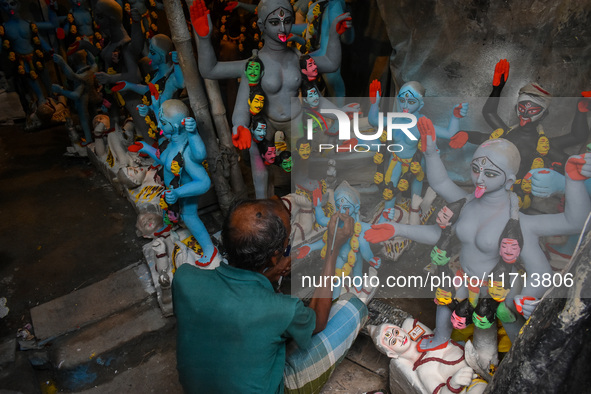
<point>64,228</point>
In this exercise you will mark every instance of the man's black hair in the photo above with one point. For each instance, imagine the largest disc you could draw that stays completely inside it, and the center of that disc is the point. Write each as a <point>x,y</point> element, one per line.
<point>303,61</point>
<point>251,240</point>
<point>255,59</point>
<point>258,118</point>
<point>307,85</point>
<point>255,90</point>
<point>512,230</point>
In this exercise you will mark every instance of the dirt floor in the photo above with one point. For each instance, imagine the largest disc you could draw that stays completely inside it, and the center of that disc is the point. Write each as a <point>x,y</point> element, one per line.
<point>65,226</point>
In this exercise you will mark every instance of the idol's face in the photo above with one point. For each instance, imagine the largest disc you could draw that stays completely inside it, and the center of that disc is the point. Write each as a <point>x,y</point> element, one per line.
<point>278,25</point>
<point>486,176</point>
<point>394,339</point>
<point>496,291</point>
<point>509,250</point>
<point>253,72</point>
<point>529,112</point>
<point>156,55</point>
<point>260,132</point>
<point>409,101</point>
<point>442,297</point>
<point>543,145</point>
<point>378,178</point>
<point>256,104</point>
<point>269,156</point>
<point>10,6</point>
<point>312,97</point>
<point>387,194</point>
<point>439,256</point>
<point>458,322</point>
<point>286,165</point>
<point>403,185</point>
<point>481,321</point>
<point>304,151</point>
<point>444,217</point>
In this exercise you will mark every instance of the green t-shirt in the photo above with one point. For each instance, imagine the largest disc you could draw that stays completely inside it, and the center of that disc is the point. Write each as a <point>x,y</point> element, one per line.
<point>232,328</point>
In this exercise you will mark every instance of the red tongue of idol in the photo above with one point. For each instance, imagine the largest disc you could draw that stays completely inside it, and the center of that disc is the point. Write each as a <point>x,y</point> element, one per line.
<point>523,121</point>
<point>479,191</point>
<point>282,37</point>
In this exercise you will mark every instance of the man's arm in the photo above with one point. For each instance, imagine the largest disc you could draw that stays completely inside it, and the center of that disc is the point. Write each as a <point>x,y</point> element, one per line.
<point>322,298</point>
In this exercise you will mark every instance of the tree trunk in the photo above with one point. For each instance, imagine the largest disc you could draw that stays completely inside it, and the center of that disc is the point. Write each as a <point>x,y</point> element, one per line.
<point>198,99</point>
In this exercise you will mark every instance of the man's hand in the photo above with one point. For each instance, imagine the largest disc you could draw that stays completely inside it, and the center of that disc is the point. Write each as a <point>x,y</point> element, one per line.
<point>578,167</point>
<point>241,137</point>
<point>461,110</point>
<point>342,22</point>
<point>525,305</point>
<point>375,92</point>
<point>200,18</point>
<point>342,233</point>
<point>545,182</point>
<point>190,124</point>
<point>427,131</point>
<point>379,233</point>
<point>458,140</point>
<point>462,377</point>
<point>501,73</point>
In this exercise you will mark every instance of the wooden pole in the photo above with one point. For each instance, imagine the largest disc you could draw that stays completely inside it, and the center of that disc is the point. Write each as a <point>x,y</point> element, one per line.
<point>198,100</point>
<point>224,132</point>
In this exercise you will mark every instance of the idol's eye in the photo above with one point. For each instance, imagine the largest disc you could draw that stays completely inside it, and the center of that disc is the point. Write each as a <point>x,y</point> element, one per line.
<point>287,21</point>
<point>534,111</point>
<point>475,169</point>
<point>412,102</point>
<point>490,174</point>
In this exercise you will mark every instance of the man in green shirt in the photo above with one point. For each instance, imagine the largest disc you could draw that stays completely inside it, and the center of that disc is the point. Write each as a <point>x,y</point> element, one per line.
<point>232,327</point>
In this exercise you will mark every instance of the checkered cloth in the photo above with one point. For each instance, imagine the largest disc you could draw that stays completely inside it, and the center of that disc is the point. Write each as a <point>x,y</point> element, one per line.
<point>307,370</point>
